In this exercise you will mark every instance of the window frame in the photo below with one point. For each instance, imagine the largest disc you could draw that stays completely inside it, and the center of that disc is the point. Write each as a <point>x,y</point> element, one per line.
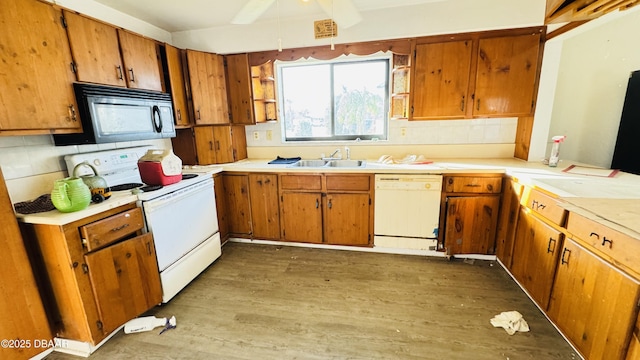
<point>343,59</point>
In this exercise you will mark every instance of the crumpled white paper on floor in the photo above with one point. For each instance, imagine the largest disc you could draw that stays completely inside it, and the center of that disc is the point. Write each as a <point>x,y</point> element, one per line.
<point>511,321</point>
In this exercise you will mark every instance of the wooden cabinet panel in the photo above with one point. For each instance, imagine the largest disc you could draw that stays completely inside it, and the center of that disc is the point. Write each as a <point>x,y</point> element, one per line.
<point>535,256</point>
<point>21,309</point>
<point>347,219</point>
<point>37,92</point>
<point>103,232</point>
<point>617,247</point>
<point>205,145</point>
<point>221,206</point>
<point>176,61</point>
<point>141,61</point>
<point>301,216</point>
<point>506,75</point>
<point>208,88</point>
<point>95,50</point>
<point>301,182</point>
<point>441,79</point>
<point>470,224</point>
<point>509,210</point>
<point>211,144</point>
<point>239,89</point>
<point>348,182</point>
<point>120,282</point>
<point>238,215</point>
<point>230,143</point>
<point>473,184</point>
<point>593,304</point>
<point>544,205</point>
<point>265,211</point>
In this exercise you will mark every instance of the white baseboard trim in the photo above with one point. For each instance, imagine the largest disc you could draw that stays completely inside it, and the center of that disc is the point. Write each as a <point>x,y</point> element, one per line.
<point>375,249</point>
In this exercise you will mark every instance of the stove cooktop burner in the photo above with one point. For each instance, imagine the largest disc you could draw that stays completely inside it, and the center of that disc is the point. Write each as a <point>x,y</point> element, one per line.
<point>127,186</point>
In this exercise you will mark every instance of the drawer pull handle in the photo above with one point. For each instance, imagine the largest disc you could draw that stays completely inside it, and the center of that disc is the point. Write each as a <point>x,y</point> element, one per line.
<point>132,77</point>
<point>537,206</point>
<point>594,234</point>
<point>317,203</point>
<point>148,248</point>
<point>119,227</point>
<point>329,204</point>
<point>564,252</point>
<point>549,248</point>
<point>605,240</point>
<point>472,185</point>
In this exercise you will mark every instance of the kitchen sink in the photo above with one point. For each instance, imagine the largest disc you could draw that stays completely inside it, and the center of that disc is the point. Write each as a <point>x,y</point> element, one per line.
<point>346,163</point>
<point>310,163</point>
<point>329,163</point>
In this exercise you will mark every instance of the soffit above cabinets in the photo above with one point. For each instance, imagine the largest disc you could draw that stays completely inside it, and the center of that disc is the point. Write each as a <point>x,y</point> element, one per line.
<point>563,11</point>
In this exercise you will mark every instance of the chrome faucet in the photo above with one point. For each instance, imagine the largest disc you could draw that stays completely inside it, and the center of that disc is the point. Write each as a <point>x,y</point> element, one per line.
<point>332,156</point>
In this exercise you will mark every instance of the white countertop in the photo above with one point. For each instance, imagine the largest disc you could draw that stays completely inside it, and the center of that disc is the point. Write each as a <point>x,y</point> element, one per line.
<point>55,217</point>
<point>624,188</point>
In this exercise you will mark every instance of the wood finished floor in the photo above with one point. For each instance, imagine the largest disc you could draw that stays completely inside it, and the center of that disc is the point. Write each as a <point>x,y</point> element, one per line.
<point>278,302</point>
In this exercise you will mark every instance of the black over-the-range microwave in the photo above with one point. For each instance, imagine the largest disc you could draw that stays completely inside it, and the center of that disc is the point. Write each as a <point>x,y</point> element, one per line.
<point>112,114</point>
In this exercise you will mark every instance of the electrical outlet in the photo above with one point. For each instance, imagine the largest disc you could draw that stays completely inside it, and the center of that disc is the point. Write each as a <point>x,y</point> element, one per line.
<point>403,131</point>
<point>256,135</point>
<point>269,135</point>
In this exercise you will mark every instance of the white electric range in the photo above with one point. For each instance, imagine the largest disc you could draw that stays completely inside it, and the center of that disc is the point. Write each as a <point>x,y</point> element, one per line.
<point>181,216</point>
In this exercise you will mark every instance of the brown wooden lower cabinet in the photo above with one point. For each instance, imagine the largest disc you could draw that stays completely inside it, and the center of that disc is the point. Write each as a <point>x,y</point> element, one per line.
<point>509,210</point>
<point>221,206</point>
<point>91,293</point>
<point>347,219</point>
<point>536,251</point>
<point>265,213</point>
<point>301,216</point>
<point>594,304</point>
<point>471,224</point>
<point>238,212</point>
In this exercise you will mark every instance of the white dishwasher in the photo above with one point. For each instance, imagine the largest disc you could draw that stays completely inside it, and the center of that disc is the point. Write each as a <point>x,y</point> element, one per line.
<point>407,211</point>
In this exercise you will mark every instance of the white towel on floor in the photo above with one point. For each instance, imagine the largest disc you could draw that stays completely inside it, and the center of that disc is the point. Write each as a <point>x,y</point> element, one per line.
<point>511,321</point>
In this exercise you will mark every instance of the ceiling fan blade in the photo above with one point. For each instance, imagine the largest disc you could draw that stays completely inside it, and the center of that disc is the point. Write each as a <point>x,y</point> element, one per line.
<point>251,11</point>
<point>343,12</point>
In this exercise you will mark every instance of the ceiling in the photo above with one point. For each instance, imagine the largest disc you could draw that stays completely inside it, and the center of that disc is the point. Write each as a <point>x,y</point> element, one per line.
<point>182,15</point>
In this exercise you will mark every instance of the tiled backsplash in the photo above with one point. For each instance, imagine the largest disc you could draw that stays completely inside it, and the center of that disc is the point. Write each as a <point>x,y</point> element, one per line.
<point>435,132</point>
<point>29,163</point>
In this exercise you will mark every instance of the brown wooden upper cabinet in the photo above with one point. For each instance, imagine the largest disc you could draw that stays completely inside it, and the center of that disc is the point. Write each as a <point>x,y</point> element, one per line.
<point>37,96</point>
<point>239,89</point>
<point>106,55</point>
<point>441,80</point>
<point>476,75</point>
<point>251,90</point>
<point>208,87</point>
<point>506,75</point>
<point>176,62</point>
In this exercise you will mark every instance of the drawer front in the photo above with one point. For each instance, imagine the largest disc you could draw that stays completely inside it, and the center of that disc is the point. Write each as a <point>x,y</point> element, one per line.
<point>103,232</point>
<point>349,182</point>
<point>544,205</point>
<point>622,249</point>
<point>473,184</point>
<point>301,182</point>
